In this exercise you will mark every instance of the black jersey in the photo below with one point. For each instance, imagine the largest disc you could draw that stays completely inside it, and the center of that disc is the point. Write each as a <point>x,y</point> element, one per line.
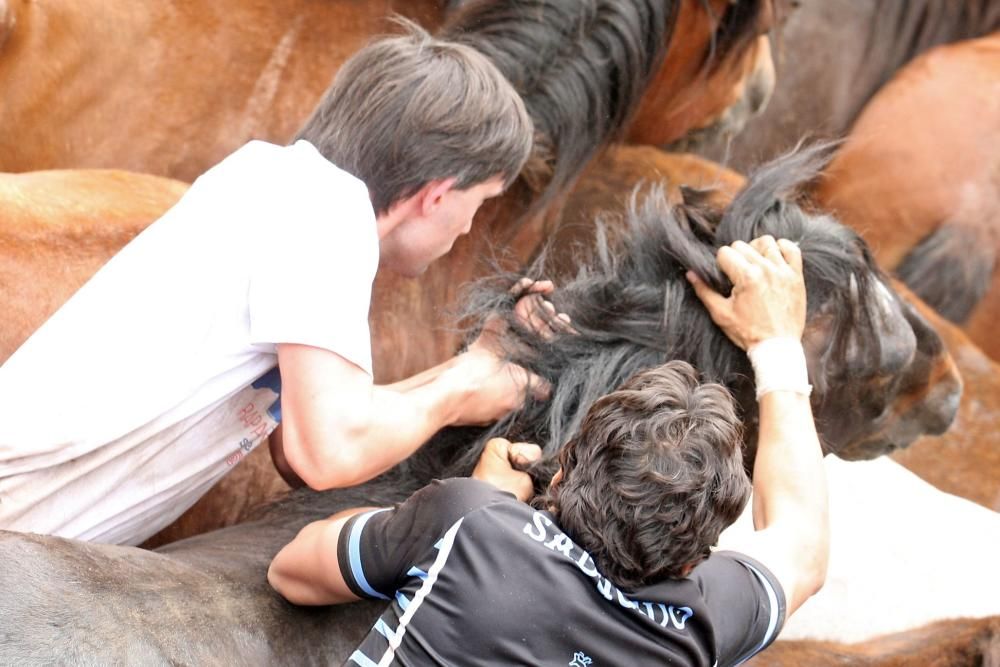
<point>476,577</point>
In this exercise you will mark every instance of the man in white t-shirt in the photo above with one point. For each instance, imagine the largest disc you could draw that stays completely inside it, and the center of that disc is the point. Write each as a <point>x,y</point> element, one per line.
<point>161,373</point>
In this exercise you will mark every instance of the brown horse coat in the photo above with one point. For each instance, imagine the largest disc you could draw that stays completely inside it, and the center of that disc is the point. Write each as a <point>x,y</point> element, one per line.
<point>919,177</point>
<point>171,87</point>
<point>832,56</point>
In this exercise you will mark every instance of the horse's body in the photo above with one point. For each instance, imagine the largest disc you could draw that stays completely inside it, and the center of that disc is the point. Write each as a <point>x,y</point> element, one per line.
<point>205,599</point>
<point>951,643</point>
<point>919,177</point>
<point>604,54</point>
<point>57,228</point>
<point>172,87</point>
<point>834,55</point>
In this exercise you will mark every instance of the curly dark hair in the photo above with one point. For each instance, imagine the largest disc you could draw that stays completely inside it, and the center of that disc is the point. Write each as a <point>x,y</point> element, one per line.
<point>653,476</point>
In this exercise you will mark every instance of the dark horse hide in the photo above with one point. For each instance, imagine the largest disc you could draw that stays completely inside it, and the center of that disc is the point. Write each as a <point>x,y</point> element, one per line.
<point>205,600</point>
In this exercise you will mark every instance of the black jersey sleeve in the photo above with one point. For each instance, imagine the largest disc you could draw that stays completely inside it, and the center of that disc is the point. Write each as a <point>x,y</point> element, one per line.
<point>746,604</point>
<point>376,549</point>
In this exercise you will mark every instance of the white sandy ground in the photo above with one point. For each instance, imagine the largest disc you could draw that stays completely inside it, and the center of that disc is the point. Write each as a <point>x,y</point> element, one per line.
<point>902,554</point>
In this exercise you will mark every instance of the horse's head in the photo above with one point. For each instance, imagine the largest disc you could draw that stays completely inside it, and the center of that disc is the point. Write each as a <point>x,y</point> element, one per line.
<point>881,375</point>
<point>718,73</point>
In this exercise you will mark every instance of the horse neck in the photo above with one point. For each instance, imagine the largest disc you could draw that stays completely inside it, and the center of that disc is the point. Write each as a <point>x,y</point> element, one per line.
<point>901,31</point>
<point>581,67</point>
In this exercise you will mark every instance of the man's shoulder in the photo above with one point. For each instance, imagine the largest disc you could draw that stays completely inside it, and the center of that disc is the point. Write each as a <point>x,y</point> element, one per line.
<point>466,492</point>
<point>290,166</point>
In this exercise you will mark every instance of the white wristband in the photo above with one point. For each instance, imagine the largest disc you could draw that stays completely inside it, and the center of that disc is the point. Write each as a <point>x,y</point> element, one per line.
<point>779,364</point>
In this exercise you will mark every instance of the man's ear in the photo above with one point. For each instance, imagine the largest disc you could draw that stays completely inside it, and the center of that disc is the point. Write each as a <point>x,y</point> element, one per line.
<point>432,194</point>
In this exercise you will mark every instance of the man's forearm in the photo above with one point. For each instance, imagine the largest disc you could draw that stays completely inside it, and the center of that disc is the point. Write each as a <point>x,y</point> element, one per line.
<point>422,378</point>
<point>790,496</point>
<point>382,431</point>
<point>789,479</point>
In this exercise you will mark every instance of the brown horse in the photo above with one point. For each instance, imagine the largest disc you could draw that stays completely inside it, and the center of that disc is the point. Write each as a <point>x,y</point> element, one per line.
<point>605,53</point>
<point>833,56</point>
<point>172,87</point>
<point>57,228</point>
<point>919,177</point>
<point>206,598</point>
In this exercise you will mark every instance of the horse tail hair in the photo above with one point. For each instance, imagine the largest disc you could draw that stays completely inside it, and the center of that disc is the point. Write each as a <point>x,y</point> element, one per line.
<point>950,269</point>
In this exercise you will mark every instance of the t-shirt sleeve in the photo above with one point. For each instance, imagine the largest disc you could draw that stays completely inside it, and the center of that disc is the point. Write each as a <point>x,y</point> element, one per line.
<point>377,549</point>
<point>746,604</point>
<point>319,252</point>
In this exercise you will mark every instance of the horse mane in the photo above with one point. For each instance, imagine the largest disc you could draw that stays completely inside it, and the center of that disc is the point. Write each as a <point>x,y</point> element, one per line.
<point>581,66</point>
<point>634,309</point>
<point>925,24</point>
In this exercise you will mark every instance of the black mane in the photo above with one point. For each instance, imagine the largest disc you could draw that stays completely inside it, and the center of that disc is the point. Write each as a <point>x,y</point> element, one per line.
<point>634,309</point>
<point>581,66</point>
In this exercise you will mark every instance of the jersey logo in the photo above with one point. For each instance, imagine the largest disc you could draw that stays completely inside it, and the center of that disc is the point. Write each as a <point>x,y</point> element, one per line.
<point>580,660</point>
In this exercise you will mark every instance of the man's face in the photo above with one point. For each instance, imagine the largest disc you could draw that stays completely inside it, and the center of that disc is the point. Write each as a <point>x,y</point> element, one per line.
<point>419,240</point>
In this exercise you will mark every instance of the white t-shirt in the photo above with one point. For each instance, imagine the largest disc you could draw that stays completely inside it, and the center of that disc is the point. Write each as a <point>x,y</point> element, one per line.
<point>135,397</point>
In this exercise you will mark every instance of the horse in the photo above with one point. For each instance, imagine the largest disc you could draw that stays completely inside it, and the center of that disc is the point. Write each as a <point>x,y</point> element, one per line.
<point>171,88</point>
<point>832,57</point>
<point>57,228</point>
<point>950,643</point>
<point>924,188</point>
<point>205,599</point>
<point>579,55</point>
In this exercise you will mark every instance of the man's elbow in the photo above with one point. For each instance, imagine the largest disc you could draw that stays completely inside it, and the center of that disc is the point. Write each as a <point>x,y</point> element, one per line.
<point>329,463</point>
<point>815,568</point>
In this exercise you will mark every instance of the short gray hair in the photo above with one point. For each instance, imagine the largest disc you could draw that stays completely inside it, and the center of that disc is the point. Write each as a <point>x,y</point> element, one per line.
<point>407,110</point>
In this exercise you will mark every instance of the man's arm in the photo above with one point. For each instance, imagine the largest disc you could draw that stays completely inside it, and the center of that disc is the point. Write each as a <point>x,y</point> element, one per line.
<point>308,570</point>
<point>789,485</point>
<point>340,429</point>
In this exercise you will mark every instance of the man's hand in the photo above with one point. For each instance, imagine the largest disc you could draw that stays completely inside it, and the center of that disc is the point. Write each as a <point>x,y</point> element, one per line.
<point>501,387</point>
<point>769,295</point>
<point>536,312</point>
<point>495,387</point>
<point>496,466</point>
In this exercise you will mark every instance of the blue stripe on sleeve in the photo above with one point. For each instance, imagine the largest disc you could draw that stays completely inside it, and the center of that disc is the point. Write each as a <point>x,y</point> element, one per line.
<point>362,659</point>
<point>772,600</point>
<point>354,551</point>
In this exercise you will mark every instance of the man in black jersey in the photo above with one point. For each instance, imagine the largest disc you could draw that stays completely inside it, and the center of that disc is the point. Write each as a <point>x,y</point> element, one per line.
<point>614,566</point>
